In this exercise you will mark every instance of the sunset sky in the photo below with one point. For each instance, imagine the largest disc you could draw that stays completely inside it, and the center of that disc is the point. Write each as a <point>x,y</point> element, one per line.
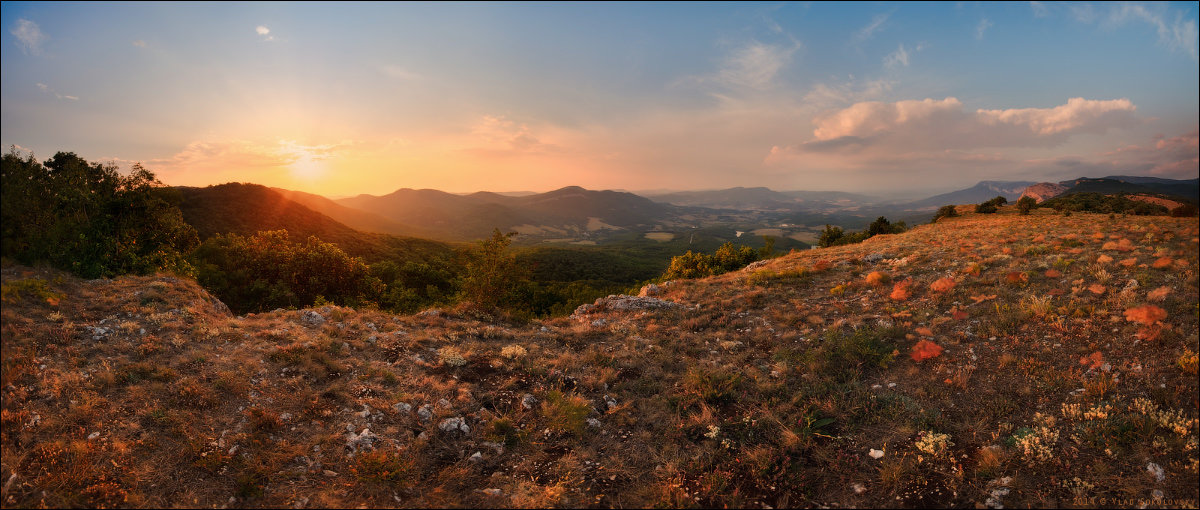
<point>342,99</point>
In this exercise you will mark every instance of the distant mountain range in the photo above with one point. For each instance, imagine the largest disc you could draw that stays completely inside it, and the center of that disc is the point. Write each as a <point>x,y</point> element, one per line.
<point>368,225</point>
<point>1185,190</point>
<point>561,212</point>
<point>762,198</point>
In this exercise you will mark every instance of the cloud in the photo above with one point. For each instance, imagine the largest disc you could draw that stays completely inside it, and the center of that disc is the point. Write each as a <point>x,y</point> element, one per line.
<point>825,96</point>
<point>1176,35</point>
<point>46,88</point>
<point>896,58</point>
<point>398,72</point>
<point>500,135</point>
<point>29,37</point>
<point>864,33</point>
<point>139,43</point>
<point>1039,9</point>
<point>933,125</point>
<point>984,24</point>
<point>264,32</point>
<point>755,65</point>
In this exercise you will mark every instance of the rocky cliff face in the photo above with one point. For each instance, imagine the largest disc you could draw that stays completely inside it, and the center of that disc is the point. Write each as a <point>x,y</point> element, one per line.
<point>1044,191</point>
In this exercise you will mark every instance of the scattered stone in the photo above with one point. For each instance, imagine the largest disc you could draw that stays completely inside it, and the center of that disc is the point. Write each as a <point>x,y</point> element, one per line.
<point>366,412</point>
<point>432,312</point>
<point>450,425</point>
<point>858,488</point>
<point>300,503</point>
<point>425,412</point>
<point>599,323</point>
<point>594,423</point>
<point>623,303</point>
<point>476,457</point>
<point>363,440</point>
<point>443,403</point>
<point>330,474</point>
<point>491,492</point>
<point>610,402</point>
<point>650,290</point>
<point>1157,471</point>
<point>402,408</point>
<point>496,447</point>
<point>527,401</point>
<point>875,257</point>
<point>312,319</point>
<point>875,454</point>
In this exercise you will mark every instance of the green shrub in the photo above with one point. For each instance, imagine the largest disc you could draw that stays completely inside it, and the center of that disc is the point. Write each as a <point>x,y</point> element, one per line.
<point>1026,204</point>
<point>946,211</point>
<point>267,270</point>
<point>90,219</point>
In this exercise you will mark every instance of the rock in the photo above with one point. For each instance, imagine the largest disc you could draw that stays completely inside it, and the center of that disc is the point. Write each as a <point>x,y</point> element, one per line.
<point>496,447</point>
<point>402,408</point>
<point>425,413</point>
<point>875,257</point>
<point>527,401</point>
<point>363,440</point>
<point>876,454</point>
<point>755,265</point>
<point>93,435</point>
<point>649,290</point>
<point>623,303</point>
<point>476,457</point>
<point>599,323</point>
<point>330,474</point>
<point>432,312</point>
<point>594,423</point>
<point>491,492</point>
<point>443,403</point>
<point>610,403</point>
<point>1157,471</point>
<point>858,488</point>
<point>456,424</point>
<point>366,412</point>
<point>311,319</point>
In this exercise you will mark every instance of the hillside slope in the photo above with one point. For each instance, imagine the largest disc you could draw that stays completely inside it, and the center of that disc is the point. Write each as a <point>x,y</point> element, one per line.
<point>249,208</point>
<point>984,360</point>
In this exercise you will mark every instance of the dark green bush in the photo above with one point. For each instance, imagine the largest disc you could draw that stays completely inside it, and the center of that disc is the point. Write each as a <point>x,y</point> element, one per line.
<point>90,219</point>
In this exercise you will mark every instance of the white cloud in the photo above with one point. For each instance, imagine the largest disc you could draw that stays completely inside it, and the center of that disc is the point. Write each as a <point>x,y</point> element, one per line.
<point>984,24</point>
<point>868,31</point>
<point>755,65</point>
<point>264,32</point>
<point>29,37</point>
<point>139,43</point>
<point>1039,9</point>
<point>46,88</point>
<point>932,124</point>
<point>1176,35</point>
<point>897,58</point>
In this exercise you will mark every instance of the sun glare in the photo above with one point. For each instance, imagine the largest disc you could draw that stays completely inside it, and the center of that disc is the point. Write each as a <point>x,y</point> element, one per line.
<point>306,164</point>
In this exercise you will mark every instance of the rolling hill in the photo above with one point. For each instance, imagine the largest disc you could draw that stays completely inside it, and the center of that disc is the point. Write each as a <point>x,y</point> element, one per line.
<point>981,361</point>
<point>461,217</point>
<point>248,208</point>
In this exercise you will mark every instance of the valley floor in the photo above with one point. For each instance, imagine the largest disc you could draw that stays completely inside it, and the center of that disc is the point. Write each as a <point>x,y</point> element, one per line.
<point>983,361</point>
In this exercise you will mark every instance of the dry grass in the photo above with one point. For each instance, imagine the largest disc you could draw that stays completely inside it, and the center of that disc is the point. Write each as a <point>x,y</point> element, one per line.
<point>765,388</point>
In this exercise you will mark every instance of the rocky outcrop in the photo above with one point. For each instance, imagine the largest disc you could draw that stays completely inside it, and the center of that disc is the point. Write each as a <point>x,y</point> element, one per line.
<point>1044,191</point>
<point>623,303</point>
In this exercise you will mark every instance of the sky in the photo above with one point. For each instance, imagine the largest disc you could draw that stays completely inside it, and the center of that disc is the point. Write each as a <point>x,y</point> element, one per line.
<point>342,99</point>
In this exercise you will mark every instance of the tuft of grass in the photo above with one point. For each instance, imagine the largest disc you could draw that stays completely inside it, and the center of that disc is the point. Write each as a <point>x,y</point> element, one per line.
<point>566,413</point>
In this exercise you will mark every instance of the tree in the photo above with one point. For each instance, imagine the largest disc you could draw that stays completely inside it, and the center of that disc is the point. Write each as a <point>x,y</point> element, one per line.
<point>947,211</point>
<point>768,249</point>
<point>1026,204</point>
<point>881,225</point>
<point>89,219</point>
<point>690,265</point>
<point>493,277</point>
<point>830,236</point>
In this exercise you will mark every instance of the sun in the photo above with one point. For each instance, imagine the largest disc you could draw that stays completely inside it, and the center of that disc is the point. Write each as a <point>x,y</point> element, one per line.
<point>307,163</point>
<point>307,167</point>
